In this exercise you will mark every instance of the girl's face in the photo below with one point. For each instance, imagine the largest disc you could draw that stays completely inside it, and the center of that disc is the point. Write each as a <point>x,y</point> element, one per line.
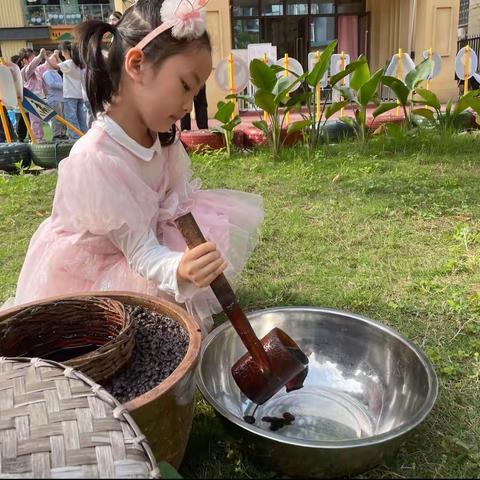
<point>164,95</point>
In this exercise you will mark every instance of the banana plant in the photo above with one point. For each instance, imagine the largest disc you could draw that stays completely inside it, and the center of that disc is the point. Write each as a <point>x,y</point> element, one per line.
<point>224,115</point>
<point>272,97</point>
<point>310,125</point>
<point>405,91</point>
<point>360,93</point>
<point>454,117</point>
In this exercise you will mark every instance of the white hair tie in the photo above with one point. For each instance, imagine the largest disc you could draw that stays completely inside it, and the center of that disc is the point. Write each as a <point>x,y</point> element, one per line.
<point>184,17</point>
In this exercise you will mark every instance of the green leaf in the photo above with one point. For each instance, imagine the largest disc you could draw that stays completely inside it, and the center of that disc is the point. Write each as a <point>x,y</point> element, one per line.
<point>261,125</point>
<point>369,89</point>
<point>300,98</point>
<point>225,111</point>
<point>399,88</point>
<point>424,112</point>
<point>419,74</point>
<point>232,124</point>
<point>469,100</point>
<point>384,107</point>
<point>360,117</point>
<point>351,67</point>
<point>281,86</point>
<point>430,98</point>
<point>360,76</point>
<point>262,75</point>
<point>281,96</point>
<point>347,93</point>
<point>348,121</point>
<point>167,471</point>
<point>266,101</point>
<point>321,66</point>
<point>334,108</point>
<point>298,126</point>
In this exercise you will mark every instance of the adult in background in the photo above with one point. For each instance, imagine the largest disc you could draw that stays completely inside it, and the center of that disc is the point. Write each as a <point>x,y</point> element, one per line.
<point>201,112</point>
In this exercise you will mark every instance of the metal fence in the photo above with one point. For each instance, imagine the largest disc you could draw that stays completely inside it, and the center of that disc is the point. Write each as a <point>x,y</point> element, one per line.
<point>473,42</point>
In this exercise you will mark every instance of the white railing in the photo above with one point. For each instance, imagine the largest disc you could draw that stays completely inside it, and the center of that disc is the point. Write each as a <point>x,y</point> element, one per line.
<point>41,15</point>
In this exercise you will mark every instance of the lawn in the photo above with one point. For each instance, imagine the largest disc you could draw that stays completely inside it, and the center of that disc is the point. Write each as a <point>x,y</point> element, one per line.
<point>390,231</point>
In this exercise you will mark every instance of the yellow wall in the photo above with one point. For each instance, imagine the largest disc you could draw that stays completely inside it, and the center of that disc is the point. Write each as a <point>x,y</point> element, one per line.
<point>437,22</point>
<point>435,26</point>
<point>12,48</point>
<point>11,15</point>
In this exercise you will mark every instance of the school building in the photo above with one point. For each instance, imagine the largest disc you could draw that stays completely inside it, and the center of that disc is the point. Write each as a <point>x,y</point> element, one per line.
<point>377,28</point>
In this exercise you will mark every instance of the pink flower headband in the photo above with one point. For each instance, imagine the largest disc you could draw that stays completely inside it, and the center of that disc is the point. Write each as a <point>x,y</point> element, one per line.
<point>184,17</point>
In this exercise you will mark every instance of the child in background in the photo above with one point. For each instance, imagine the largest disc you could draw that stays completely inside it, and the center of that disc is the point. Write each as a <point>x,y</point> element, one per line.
<point>33,68</point>
<point>53,86</point>
<point>120,190</point>
<point>72,86</point>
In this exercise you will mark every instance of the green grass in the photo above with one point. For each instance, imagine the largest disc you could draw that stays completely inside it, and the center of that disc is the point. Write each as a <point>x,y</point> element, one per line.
<point>390,231</point>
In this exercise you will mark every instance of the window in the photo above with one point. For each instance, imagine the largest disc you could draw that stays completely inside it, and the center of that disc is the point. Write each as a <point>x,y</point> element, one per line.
<point>245,32</point>
<point>62,12</point>
<point>322,31</point>
<point>297,7</point>
<point>272,7</point>
<point>322,6</point>
<point>245,8</point>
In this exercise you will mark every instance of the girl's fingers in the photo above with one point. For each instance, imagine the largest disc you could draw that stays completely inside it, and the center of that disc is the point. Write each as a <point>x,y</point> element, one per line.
<point>208,279</point>
<point>206,260</point>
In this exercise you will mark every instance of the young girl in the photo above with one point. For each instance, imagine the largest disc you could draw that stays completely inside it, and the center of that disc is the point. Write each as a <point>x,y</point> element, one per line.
<point>72,86</point>
<point>119,191</point>
<point>32,69</point>
<point>53,86</point>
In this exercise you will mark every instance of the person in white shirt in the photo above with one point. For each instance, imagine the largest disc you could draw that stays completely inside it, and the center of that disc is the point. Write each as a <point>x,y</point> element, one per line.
<point>72,69</point>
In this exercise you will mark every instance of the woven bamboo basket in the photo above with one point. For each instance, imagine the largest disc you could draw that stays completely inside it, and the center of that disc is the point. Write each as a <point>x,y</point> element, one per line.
<point>55,422</point>
<point>93,334</point>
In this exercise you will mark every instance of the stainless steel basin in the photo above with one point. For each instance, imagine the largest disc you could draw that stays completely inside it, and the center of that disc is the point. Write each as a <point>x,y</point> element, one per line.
<point>367,388</point>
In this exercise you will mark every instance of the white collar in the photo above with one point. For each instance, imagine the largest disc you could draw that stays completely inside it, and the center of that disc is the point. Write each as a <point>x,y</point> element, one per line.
<point>114,130</point>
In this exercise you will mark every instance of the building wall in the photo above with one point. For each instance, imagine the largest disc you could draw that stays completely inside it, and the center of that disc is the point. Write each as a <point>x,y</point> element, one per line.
<point>11,15</point>
<point>434,25</point>
<point>474,19</point>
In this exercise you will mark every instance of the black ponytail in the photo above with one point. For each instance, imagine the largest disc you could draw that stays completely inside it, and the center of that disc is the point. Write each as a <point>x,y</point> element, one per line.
<point>74,53</point>
<point>99,83</point>
<point>104,71</point>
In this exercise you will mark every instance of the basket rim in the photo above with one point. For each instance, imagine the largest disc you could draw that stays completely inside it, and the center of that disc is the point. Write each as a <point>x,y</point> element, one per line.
<point>174,311</point>
<point>107,350</point>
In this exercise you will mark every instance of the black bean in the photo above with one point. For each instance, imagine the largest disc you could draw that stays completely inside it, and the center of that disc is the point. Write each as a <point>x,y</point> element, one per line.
<point>160,345</point>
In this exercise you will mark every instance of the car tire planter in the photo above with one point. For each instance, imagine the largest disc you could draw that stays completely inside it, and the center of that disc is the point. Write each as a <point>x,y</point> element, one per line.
<point>49,155</point>
<point>195,140</point>
<point>335,131</point>
<point>12,154</point>
<point>374,123</point>
<point>255,137</point>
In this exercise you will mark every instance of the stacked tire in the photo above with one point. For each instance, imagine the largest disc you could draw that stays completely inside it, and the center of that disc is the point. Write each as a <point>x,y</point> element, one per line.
<point>49,155</point>
<point>14,156</point>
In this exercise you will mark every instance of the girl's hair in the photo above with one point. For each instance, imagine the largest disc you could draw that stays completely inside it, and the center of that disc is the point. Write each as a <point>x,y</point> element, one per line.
<point>104,74</point>
<point>25,54</point>
<point>74,53</point>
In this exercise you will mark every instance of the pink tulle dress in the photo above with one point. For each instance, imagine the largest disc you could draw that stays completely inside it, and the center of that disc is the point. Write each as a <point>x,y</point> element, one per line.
<point>110,181</point>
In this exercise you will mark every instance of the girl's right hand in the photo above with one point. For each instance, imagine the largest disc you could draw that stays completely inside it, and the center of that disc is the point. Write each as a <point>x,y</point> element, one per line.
<point>201,265</point>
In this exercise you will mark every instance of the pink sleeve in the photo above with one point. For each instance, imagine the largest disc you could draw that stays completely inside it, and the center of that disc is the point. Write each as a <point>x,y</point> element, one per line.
<point>29,70</point>
<point>99,193</point>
